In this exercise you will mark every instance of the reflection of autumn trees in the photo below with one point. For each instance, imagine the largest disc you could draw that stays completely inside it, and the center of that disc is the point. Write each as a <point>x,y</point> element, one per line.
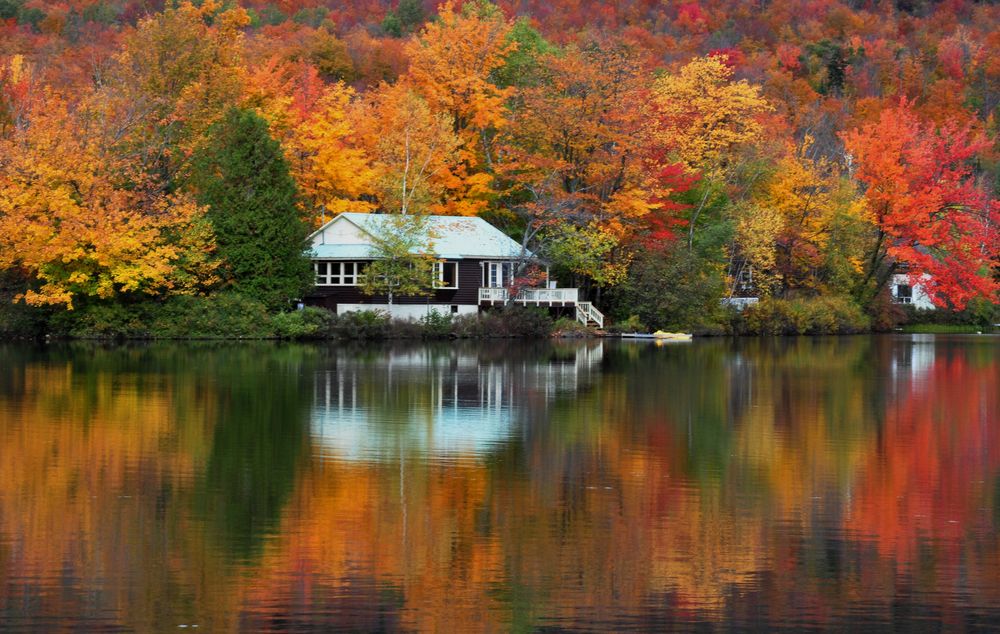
<point>679,482</point>
<point>641,486</point>
<point>927,492</point>
<point>104,455</point>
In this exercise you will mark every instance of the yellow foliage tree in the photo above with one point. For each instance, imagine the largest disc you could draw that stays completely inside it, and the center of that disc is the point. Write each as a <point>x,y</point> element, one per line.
<point>178,73</point>
<point>813,201</point>
<point>757,232</point>
<point>704,115</point>
<point>332,170</point>
<point>82,222</point>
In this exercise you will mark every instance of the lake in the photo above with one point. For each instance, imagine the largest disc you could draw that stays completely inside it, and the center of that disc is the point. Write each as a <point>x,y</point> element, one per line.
<point>501,486</point>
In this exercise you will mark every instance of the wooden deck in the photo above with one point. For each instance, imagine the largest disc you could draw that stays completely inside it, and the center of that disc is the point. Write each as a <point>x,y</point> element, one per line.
<point>586,313</point>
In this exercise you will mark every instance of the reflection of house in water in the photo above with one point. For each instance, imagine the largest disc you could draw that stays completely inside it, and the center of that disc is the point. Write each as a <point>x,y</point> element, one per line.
<point>913,357</point>
<point>450,401</point>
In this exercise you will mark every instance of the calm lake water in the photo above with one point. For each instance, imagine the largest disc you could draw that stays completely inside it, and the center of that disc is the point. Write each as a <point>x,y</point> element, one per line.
<point>592,485</point>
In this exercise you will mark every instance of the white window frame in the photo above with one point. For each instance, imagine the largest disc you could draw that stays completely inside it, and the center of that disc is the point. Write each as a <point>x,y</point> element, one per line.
<point>499,274</point>
<point>338,272</point>
<point>439,277</point>
<point>904,299</point>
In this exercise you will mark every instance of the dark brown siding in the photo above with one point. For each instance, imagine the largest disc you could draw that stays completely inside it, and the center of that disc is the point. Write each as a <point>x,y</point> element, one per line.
<point>470,277</point>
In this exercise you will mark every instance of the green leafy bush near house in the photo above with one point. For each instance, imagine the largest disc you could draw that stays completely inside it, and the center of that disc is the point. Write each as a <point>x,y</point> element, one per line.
<point>630,324</point>
<point>309,323</point>
<point>221,316</point>
<point>803,316</point>
<point>568,327</point>
<point>436,325</point>
<point>360,325</point>
<point>979,315</point>
<point>511,321</point>
<point>670,291</point>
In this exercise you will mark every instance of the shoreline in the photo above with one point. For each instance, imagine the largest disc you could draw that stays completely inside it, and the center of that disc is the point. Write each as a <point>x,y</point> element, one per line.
<point>427,338</point>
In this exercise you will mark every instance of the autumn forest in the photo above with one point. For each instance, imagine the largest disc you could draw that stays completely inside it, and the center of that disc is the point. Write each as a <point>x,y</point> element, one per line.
<point>662,155</point>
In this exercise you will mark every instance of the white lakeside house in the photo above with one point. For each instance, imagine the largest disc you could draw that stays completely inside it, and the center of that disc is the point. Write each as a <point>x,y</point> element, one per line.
<point>476,268</point>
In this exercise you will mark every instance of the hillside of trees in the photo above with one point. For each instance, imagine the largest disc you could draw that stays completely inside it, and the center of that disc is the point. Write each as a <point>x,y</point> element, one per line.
<point>662,155</point>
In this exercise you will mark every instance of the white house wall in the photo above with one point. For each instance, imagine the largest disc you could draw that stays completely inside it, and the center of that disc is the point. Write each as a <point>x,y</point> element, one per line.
<point>920,298</point>
<point>341,231</point>
<point>410,311</point>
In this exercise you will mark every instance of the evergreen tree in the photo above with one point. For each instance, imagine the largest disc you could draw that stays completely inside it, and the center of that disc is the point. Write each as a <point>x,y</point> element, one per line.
<point>243,178</point>
<point>411,14</point>
<point>407,18</point>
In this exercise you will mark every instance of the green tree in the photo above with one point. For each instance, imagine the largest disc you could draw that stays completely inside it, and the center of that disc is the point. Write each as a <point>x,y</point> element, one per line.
<point>9,9</point>
<point>522,65</point>
<point>403,264</point>
<point>391,25</point>
<point>670,289</point>
<point>411,14</point>
<point>406,19</point>
<point>242,176</point>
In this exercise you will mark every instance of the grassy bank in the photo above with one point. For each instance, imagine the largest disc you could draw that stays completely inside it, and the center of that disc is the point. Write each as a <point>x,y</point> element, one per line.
<point>946,329</point>
<point>232,316</point>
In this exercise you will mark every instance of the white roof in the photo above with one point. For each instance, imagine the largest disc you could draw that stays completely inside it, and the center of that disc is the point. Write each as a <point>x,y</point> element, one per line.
<point>453,237</point>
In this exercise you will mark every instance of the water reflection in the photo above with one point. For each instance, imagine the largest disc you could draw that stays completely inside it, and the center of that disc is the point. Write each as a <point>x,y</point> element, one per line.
<point>439,401</point>
<point>827,482</point>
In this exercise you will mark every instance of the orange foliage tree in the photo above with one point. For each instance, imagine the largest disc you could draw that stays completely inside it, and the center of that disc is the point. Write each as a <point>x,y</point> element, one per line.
<point>451,66</point>
<point>576,157</point>
<point>928,214</point>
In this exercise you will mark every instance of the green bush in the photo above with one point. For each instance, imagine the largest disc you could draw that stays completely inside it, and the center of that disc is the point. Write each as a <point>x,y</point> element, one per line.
<point>511,321</point>
<point>474,326</point>
<point>362,324</point>
<point>670,290</point>
<point>569,327</point>
<point>234,316</point>
<point>436,325</point>
<point>309,323</point>
<point>222,316</point>
<point>18,321</point>
<point>523,321</point>
<point>980,313</point>
<point>944,329</point>
<point>630,324</point>
<point>813,316</point>
<point>101,321</point>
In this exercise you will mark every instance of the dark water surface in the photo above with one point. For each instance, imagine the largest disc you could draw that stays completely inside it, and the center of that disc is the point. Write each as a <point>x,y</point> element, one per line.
<point>831,482</point>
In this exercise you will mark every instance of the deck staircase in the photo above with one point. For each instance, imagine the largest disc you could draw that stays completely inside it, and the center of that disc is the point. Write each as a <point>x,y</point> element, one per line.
<point>588,315</point>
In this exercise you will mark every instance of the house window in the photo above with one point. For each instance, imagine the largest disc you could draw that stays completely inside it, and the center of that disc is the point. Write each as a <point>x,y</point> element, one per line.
<point>322,273</point>
<point>498,274</point>
<point>446,275</point>
<point>339,273</point>
<point>904,293</point>
<point>744,280</point>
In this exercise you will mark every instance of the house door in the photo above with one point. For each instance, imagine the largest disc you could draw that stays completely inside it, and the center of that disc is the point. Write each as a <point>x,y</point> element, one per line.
<point>498,274</point>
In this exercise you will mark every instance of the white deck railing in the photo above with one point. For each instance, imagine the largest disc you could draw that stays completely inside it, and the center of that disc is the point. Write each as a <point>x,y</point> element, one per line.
<point>531,295</point>
<point>492,294</point>
<point>586,313</point>
<point>739,303</point>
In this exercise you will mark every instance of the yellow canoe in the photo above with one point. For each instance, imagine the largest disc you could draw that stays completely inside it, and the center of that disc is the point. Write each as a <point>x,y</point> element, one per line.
<point>672,336</point>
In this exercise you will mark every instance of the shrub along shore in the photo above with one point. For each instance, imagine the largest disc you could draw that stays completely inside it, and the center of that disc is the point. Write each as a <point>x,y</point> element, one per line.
<point>234,316</point>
